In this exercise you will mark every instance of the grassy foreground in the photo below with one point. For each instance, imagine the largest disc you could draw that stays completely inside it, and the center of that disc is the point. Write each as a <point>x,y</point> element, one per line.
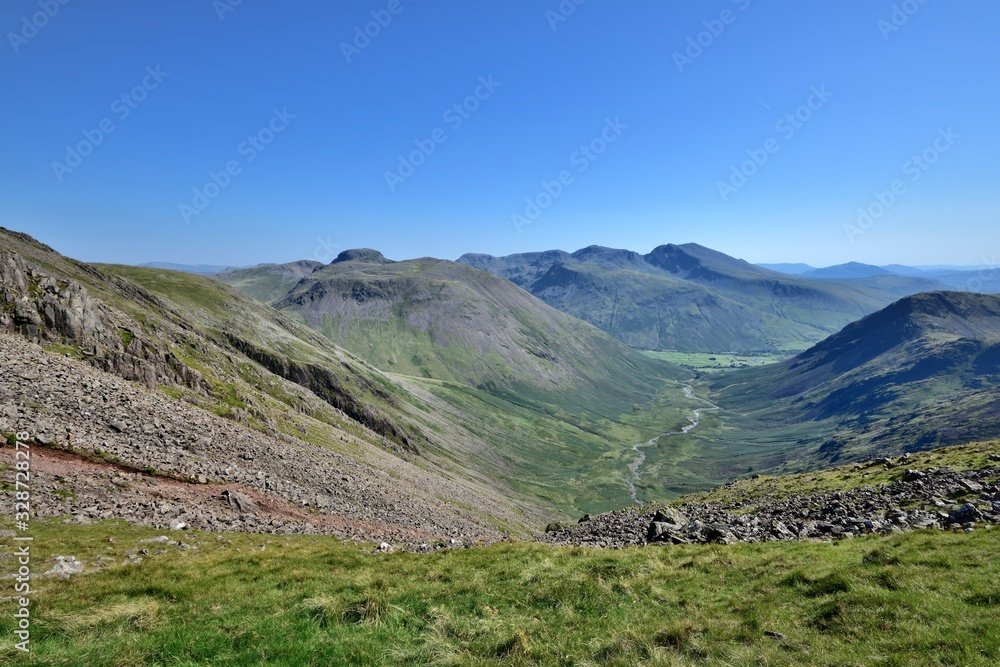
<point>917,599</point>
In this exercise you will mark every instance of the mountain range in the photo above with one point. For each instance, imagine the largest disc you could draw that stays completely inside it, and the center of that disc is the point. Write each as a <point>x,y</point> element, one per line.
<point>689,298</point>
<point>984,279</point>
<point>694,299</point>
<point>519,385</point>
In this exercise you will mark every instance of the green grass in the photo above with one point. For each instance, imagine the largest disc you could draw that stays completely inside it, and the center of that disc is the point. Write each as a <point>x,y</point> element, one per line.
<point>193,292</point>
<point>922,598</point>
<point>126,336</point>
<point>65,350</point>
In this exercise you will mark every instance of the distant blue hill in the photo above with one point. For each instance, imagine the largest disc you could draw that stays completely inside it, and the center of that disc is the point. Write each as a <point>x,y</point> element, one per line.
<point>200,269</point>
<point>849,270</point>
<point>793,269</point>
<point>901,270</point>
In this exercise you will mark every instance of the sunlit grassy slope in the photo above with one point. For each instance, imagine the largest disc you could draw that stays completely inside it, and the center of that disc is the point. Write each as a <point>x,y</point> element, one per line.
<point>925,598</point>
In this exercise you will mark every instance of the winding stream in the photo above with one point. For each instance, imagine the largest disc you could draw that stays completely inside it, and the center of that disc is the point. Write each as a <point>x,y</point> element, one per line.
<point>694,418</point>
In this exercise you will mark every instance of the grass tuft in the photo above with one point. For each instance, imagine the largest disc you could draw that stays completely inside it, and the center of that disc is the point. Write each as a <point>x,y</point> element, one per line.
<point>322,610</point>
<point>140,613</point>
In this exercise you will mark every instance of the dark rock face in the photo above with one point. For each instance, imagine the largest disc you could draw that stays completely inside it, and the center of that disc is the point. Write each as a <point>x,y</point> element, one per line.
<point>45,309</point>
<point>914,502</point>
<point>325,384</point>
<point>366,255</point>
<point>39,307</point>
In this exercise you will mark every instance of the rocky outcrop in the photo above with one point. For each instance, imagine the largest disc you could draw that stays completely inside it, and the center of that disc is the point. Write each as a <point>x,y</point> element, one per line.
<point>935,498</point>
<point>366,255</point>
<point>40,307</point>
<point>47,309</point>
<point>325,384</point>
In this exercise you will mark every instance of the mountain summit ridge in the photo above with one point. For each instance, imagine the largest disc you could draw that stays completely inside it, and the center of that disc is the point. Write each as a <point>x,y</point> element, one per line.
<point>695,299</point>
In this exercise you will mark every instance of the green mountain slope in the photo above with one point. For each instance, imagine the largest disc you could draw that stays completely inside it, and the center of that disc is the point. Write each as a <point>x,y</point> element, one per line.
<point>447,321</point>
<point>559,398</point>
<point>267,282</point>
<point>650,311</point>
<point>921,373</point>
<point>539,430</point>
<point>205,343</point>
<point>693,299</point>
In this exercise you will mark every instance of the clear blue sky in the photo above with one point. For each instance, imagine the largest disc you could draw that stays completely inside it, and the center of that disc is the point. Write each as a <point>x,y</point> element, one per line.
<point>893,94</point>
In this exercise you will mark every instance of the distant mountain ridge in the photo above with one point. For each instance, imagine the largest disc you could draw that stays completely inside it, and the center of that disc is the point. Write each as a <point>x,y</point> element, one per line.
<point>267,282</point>
<point>794,269</point>
<point>849,270</point>
<point>983,279</point>
<point>677,297</point>
<point>440,319</point>
<point>198,269</point>
<point>691,298</point>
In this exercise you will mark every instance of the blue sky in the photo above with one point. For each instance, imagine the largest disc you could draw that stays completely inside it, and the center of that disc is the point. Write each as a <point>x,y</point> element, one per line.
<point>627,124</point>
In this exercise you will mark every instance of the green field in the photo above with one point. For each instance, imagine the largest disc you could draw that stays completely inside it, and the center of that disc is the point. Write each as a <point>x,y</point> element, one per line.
<point>921,598</point>
<point>713,362</point>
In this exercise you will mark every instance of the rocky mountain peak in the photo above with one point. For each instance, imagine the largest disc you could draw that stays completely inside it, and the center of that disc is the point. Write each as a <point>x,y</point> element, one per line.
<point>366,255</point>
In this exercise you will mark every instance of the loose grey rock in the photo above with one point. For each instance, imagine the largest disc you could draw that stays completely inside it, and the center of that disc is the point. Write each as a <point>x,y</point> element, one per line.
<point>965,514</point>
<point>64,567</point>
<point>823,516</point>
<point>240,502</point>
